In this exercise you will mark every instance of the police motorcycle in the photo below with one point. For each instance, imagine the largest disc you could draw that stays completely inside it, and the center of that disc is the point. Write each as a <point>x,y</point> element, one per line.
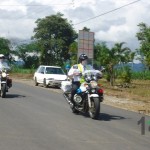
<point>5,81</point>
<point>88,96</point>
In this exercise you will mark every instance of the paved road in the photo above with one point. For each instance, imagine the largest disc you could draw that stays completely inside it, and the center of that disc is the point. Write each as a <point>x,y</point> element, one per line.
<point>35,118</point>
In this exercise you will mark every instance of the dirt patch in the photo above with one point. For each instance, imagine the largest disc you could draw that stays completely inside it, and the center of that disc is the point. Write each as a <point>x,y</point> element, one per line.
<point>128,104</point>
<point>115,101</point>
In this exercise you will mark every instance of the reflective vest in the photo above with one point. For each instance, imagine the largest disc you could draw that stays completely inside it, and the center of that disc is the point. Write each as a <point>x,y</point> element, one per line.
<point>81,70</point>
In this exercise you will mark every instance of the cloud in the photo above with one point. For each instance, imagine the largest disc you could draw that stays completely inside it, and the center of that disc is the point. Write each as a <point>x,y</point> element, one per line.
<point>11,5</point>
<point>39,11</point>
<point>20,24</point>
<point>80,13</point>
<point>17,18</point>
<point>10,15</point>
<point>120,25</point>
<point>17,28</point>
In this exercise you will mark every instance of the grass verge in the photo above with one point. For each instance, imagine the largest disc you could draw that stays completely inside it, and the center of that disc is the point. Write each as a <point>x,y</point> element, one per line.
<point>138,90</point>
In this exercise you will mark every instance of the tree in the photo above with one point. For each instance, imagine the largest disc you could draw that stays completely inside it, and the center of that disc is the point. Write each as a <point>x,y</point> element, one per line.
<point>86,29</point>
<point>4,46</point>
<point>99,49</point>
<point>54,35</point>
<point>144,37</point>
<point>73,51</point>
<point>109,58</point>
<point>29,54</point>
<point>31,61</point>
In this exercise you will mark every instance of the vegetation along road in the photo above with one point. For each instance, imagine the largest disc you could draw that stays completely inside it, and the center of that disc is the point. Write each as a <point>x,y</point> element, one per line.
<point>35,118</point>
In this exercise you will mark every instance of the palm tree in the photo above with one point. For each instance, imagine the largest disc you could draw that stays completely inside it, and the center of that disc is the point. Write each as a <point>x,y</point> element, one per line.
<point>120,55</point>
<point>111,57</point>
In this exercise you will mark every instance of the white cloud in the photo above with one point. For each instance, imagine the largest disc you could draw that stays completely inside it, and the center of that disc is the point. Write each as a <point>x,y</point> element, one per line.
<point>18,20</point>
<point>17,29</point>
<point>11,5</point>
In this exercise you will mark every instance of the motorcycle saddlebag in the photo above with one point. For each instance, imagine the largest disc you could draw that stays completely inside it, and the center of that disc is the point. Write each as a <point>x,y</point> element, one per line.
<point>66,86</point>
<point>9,83</point>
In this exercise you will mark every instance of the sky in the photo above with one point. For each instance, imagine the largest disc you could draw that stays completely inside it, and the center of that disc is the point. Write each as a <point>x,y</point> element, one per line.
<point>17,17</point>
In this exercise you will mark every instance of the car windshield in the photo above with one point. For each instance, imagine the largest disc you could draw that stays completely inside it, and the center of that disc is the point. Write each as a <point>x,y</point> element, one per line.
<point>50,70</point>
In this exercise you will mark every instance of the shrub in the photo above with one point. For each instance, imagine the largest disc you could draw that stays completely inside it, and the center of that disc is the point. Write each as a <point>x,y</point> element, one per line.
<point>125,74</point>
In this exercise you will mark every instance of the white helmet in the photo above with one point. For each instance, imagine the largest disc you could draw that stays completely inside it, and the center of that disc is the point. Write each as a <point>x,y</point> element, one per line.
<point>2,56</point>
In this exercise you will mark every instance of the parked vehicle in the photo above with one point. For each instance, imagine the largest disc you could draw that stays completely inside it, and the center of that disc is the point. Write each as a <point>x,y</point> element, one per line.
<point>88,97</point>
<point>49,76</point>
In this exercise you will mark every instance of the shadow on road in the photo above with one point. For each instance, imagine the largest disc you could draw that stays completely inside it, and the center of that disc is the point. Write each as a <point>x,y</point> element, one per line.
<point>105,117</point>
<point>14,96</point>
<point>108,117</point>
<point>49,87</point>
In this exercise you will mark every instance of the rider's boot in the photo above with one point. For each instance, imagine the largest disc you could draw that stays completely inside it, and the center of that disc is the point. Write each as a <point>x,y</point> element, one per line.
<point>72,104</point>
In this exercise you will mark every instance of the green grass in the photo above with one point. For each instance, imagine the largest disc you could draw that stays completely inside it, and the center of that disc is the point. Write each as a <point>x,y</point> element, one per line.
<point>22,73</point>
<point>22,70</point>
<point>138,90</point>
<point>145,75</point>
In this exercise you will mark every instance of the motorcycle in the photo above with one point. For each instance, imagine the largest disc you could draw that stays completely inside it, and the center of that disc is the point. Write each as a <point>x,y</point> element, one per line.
<point>5,83</point>
<point>88,96</point>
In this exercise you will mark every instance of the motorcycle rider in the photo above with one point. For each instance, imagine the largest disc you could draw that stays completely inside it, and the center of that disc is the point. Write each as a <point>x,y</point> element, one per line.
<point>4,66</point>
<point>75,73</point>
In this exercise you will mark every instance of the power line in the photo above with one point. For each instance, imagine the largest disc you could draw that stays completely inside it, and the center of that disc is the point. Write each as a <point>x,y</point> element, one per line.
<point>37,5</point>
<point>108,12</point>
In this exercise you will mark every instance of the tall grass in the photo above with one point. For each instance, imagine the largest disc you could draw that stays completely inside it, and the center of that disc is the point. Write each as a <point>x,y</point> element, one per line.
<point>144,75</point>
<point>21,70</point>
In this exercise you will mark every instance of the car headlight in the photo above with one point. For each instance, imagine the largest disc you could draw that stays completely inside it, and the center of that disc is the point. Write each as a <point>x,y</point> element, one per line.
<point>93,84</point>
<point>4,74</point>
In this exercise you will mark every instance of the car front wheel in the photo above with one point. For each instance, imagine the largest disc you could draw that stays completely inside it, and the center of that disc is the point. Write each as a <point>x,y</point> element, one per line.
<point>44,83</point>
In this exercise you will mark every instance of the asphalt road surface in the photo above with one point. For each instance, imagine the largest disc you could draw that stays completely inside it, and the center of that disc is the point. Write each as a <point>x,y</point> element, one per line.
<point>35,118</point>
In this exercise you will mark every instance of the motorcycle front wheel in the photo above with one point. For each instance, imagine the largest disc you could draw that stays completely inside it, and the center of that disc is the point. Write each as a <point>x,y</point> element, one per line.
<point>94,110</point>
<point>3,90</point>
<point>75,111</point>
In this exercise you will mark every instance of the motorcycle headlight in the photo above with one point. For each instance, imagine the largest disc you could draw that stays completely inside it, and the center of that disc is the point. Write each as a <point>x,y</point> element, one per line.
<point>93,90</point>
<point>93,84</point>
<point>4,74</point>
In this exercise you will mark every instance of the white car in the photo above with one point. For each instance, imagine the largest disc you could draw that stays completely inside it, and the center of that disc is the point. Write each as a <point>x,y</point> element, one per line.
<point>49,76</point>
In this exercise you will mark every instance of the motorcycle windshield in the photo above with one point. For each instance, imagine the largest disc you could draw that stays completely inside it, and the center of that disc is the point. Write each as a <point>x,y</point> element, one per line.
<point>89,72</point>
<point>90,75</point>
<point>4,65</point>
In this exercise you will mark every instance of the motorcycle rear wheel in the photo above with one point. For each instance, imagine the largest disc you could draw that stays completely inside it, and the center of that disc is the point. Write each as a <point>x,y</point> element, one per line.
<point>95,108</point>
